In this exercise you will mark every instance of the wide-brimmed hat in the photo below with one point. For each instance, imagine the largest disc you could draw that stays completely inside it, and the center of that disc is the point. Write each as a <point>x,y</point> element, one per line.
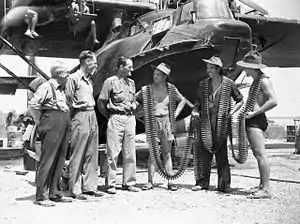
<point>57,69</point>
<point>214,60</point>
<point>163,67</point>
<point>253,60</point>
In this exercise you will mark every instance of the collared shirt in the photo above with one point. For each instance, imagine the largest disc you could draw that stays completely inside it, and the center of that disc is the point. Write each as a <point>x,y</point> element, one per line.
<point>35,84</point>
<point>120,94</point>
<point>214,97</point>
<point>79,91</point>
<point>49,95</point>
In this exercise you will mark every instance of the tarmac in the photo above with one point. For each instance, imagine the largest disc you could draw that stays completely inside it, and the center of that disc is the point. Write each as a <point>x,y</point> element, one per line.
<point>17,189</point>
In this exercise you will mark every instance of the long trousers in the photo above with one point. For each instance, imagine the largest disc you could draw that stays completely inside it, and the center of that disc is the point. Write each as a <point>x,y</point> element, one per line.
<point>121,137</point>
<point>53,130</point>
<point>204,158</point>
<point>83,163</point>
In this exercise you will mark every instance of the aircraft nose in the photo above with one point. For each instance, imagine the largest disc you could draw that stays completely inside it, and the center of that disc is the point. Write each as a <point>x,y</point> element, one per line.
<point>233,38</point>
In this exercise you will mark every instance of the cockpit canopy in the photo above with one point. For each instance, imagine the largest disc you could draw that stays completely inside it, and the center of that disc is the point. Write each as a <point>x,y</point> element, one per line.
<point>205,9</point>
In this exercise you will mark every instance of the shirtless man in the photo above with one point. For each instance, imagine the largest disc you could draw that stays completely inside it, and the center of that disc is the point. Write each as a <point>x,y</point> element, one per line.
<point>256,121</point>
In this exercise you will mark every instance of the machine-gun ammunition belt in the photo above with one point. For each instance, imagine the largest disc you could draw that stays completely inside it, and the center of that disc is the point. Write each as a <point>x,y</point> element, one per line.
<point>151,132</point>
<point>203,133</point>
<point>240,146</point>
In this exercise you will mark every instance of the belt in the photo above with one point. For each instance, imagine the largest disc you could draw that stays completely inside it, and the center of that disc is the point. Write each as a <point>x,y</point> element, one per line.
<point>161,115</point>
<point>83,109</point>
<point>127,113</point>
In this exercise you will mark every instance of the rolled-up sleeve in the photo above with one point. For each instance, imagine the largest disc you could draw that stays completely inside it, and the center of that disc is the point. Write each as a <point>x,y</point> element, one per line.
<point>236,94</point>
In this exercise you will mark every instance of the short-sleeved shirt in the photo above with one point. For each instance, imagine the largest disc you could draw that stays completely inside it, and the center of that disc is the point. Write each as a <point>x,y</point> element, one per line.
<point>35,84</point>
<point>79,91</point>
<point>119,93</point>
<point>49,96</point>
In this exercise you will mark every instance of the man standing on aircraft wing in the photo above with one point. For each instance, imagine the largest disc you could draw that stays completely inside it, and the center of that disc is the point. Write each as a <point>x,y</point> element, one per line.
<point>117,103</point>
<point>83,163</point>
<point>256,121</point>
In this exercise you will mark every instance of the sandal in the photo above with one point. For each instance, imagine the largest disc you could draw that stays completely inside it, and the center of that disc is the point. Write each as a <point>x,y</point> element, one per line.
<point>147,187</point>
<point>253,190</point>
<point>172,187</point>
<point>261,194</point>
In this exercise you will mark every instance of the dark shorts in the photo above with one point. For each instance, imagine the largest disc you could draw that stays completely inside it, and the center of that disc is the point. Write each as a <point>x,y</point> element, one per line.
<point>259,121</point>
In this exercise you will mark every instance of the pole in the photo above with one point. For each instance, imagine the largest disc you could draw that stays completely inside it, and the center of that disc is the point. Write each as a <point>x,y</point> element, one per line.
<point>16,77</point>
<point>24,58</point>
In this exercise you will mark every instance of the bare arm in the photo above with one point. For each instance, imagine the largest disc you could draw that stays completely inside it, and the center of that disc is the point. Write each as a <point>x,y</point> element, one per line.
<point>236,107</point>
<point>180,107</point>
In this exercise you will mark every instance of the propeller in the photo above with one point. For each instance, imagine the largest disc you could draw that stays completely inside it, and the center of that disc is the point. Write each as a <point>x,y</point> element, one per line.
<point>254,6</point>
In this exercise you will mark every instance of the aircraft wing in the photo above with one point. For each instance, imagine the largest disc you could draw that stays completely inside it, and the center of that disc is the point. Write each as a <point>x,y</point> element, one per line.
<point>276,38</point>
<point>8,85</point>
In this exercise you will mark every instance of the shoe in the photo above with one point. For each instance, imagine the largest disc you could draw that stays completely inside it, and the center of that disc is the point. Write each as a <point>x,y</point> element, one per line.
<point>226,190</point>
<point>197,188</point>
<point>130,188</point>
<point>35,34</point>
<point>147,187</point>
<point>111,190</point>
<point>80,197</point>
<point>93,193</point>
<point>261,194</point>
<point>45,203</point>
<point>252,190</point>
<point>62,200</point>
<point>172,187</point>
<point>29,34</point>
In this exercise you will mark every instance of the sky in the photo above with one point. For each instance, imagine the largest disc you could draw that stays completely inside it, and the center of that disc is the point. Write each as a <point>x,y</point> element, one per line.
<point>286,81</point>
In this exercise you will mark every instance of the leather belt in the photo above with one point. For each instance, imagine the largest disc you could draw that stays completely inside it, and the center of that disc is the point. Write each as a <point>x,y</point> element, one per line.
<point>83,109</point>
<point>161,115</point>
<point>127,113</point>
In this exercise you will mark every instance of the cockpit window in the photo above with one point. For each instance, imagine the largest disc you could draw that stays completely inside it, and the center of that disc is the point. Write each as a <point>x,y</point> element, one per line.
<point>137,27</point>
<point>186,12</point>
<point>212,9</point>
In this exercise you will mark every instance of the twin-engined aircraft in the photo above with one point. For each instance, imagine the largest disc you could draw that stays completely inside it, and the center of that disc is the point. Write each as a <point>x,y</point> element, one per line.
<point>180,36</point>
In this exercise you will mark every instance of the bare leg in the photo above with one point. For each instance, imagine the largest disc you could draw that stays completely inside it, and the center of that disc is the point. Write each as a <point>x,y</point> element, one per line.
<point>34,22</point>
<point>256,139</point>
<point>151,171</point>
<point>166,151</point>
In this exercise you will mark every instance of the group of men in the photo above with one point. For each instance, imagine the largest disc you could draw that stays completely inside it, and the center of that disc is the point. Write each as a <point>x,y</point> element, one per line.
<point>64,109</point>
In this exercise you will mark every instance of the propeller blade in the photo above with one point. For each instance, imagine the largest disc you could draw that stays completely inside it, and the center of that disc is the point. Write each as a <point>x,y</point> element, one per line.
<point>255,6</point>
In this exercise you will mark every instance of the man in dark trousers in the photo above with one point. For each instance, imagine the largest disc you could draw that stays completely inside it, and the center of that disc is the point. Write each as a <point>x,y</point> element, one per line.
<point>83,163</point>
<point>117,103</point>
<point>49,108</point>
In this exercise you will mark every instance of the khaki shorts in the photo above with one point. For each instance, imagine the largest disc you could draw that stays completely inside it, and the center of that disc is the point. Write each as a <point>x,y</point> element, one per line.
<point>164,131</point>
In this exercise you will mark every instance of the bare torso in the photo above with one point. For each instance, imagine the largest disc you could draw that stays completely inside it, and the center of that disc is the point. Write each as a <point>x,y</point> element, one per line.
<point>159,92</point>
<point>261,97</point>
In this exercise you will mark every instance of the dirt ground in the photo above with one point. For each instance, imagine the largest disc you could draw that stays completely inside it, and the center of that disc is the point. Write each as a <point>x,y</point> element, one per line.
<point>162,206</point>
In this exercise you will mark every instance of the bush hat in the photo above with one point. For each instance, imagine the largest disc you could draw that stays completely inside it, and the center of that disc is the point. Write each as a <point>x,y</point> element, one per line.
<point>163,67</point>
<point>214,60</point>
<point>252,60</point>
